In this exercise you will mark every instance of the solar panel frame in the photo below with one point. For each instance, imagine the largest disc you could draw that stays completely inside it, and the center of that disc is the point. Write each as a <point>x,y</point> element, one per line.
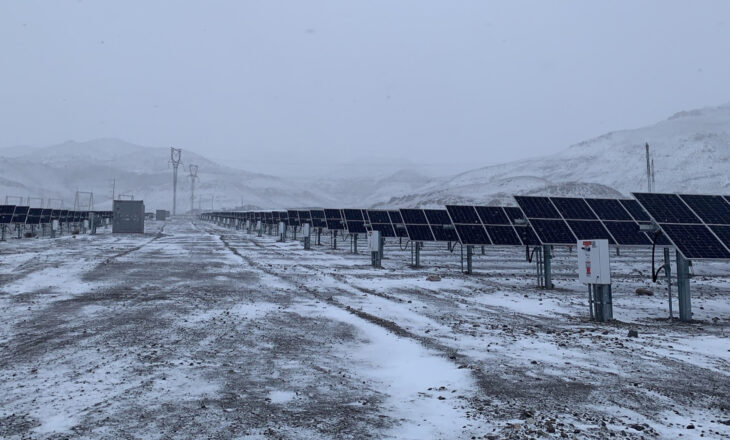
<point>634,208</point>
<point>6,214</point>
<point>34,216</point>
<point>472,235</point>
<point>553,232</point>
<point>537,207</point>
<point>667,208</point>
<point>318,218</point>
<point>704,245</point>
<point>503,235</point>
<point>398,226</point>
<point>441,226</point>
<point>293,217</point>
<point>333,219</point>
<point>711,209</point>
<point>417,225</point>
<point>463,214</point>
<point>573,208</point>
<point>413,216</point>
<point>609,209</point>
<point>492,215</point>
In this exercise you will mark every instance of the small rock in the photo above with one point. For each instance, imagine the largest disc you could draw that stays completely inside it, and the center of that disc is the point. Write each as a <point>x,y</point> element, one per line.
<point>643,291</point>
<point>433,278</point>
<point>690,426</point>
<point>637,427</point>
<point>633,334</point>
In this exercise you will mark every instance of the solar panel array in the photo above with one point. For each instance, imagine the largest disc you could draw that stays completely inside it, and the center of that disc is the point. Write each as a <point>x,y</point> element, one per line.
<point>565,220</point>
<point>697,225</point>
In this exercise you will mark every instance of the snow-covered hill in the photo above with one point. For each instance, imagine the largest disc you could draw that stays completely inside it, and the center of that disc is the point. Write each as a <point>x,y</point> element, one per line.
<point>58,171</point>
<point>691,152</point>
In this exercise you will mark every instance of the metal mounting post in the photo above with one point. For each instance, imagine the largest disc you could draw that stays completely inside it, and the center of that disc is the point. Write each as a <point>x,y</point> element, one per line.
<point>354,243</point>
<point>685,301</point>
<point>334,239</point>
<point>602,302</point>
<point>469,253</point>
<point>668,275</point>
<point>547,257</point>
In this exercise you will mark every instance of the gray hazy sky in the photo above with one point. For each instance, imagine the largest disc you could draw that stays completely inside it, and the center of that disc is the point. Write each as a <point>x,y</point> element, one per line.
<point>268,84</point>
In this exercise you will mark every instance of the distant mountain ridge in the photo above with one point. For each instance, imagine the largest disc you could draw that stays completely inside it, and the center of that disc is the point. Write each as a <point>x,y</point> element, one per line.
<point>691,152</point>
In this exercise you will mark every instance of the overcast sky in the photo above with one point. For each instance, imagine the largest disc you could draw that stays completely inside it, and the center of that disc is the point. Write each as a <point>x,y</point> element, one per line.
<point>269,84</point>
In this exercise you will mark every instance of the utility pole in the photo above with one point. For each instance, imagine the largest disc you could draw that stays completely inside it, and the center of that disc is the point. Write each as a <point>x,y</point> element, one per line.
<point>648,169</point>
<point>193,175</point>
<point>175,154</point>
<point>114,187</point>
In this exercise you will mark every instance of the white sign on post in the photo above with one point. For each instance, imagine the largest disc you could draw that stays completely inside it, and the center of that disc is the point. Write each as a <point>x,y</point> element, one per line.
<point>593,262</point>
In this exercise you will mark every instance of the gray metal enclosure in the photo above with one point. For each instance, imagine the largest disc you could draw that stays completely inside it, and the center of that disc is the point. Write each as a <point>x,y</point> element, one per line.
<point>128,217</point>
<point>161,215</point>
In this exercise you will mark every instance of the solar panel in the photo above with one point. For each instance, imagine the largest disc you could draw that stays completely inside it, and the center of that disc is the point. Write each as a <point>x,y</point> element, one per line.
<point>353,214</point>
<point>417,225</point>
<point>723,233</point>
<point>537,207</point>
<point>333,218</point>
<point>293,217</point>
<point>385,229</point>
<point>6,213</point>
<point>695,241</point>
<point>437,217</point>
<point>627,233</point>
<point>635,209</point>
<point>465,215</point>
<point>304,217</point>
<point>318,218</point>
<point>514,213</point>
<point>573,208</point>
<point>474,235</point>
<point>34,216</point>
<point>397,221</point>
<point>503,235</point>
<point>493,215</point>
<point>378,216</point>
<point>590,230</point>
<point>666,208</point>
<point>609,209</point>
<point>45,216</point>
<point>553,232</point>
<point>711,209</point>
<point>419,232</point>
<point>527,235</point>
<point>413,216</point>
<point>441,226</point>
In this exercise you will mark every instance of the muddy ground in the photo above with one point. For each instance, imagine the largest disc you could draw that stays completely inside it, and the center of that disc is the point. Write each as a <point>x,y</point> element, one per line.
<point>197,331</point>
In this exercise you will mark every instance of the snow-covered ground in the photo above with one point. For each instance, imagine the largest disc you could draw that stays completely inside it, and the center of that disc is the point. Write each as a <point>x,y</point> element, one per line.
<point>195,331</point>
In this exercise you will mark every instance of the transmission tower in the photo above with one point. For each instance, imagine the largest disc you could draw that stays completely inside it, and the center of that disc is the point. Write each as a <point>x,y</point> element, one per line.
<point>175,155</point>
<point>193,175</point>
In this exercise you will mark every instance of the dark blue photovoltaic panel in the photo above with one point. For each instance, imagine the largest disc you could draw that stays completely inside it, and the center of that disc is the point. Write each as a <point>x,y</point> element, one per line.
<point>274,216</point>
<point>333,218</point>
<point>553,232</point>
<point>444,233</point>
<point>627,233</point>
<point>537,207</point>
<point>400,230</point>
<point>6,213</point>
<point>527,235</point>
<point>695,241</point>
<point>378,216</point>
<point>437,216</point>
<point>666,208</point>
<point>635,209</point>
<point>46,216</point>
<point>514,213</point>
<point>472,234</point>
<point>304,217</point>
<point>466,215</point>
<point>419,232</point>
<point>492,215</point>
<point>293,217</point>
<point>317,216</point>
<point>395,217</point>
<point>711,209</point>
<point>385,229</point>
<point>353,214</point>
<point>609,209</point>
<point>590,230</point>
<point>573,208</point>
<point>356,226</point>
<point>503,235</point>
<point>723,233</point>
<point>414,216</point>
<point>34,216</point>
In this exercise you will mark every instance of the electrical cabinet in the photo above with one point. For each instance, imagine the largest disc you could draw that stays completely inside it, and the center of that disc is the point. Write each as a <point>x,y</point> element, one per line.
<point>593,262</point>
